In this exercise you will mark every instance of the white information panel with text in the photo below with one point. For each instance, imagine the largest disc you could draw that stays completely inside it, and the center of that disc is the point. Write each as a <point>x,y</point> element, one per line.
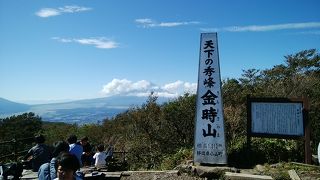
<point>277,118</point>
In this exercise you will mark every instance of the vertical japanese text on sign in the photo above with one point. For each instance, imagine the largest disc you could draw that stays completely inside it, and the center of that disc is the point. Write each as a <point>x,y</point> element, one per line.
<point>209,144</point>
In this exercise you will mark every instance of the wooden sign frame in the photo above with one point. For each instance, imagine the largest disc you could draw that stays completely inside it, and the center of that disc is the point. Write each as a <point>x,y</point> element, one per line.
<point>305,135</point>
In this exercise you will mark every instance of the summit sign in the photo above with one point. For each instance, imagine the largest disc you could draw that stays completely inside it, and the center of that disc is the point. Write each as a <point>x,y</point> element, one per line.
<point>209,146</point>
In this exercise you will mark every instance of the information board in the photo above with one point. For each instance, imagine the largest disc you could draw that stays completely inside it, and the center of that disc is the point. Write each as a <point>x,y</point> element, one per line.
<point>285,118</point>
<point>277,118</point>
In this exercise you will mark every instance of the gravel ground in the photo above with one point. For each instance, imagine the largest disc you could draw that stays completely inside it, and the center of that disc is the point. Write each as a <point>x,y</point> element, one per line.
<point>276,171</point>
<point>155,175</point>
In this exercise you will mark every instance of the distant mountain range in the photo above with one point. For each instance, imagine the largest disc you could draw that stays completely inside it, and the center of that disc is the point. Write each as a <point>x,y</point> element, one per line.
<point>80,111</point>
<point>9,107</point>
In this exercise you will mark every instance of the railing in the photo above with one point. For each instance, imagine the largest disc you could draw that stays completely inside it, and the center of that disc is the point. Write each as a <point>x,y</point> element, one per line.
<point>118,161</point>
<point>120,155</point>
<point>16,152</point>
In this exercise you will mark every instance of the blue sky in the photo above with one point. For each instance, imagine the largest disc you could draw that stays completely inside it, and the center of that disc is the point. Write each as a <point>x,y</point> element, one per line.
<point>79,49</point>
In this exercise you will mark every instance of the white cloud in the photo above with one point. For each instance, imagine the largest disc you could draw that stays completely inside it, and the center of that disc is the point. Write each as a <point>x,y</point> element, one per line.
<point>147,23</point>
<point>144,21</point>
<point>98,43</point>
<point>144,88</point>
<point>73,9</point>
<point>310,32</point>
<point>173,87</point>
<point>101,42</point>
<point>48,12</point>
<point>190,87</point>
<point>64,40</point>
<point>274,27</point>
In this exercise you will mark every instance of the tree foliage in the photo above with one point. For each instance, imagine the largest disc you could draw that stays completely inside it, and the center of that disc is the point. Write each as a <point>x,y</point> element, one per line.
<point>15,128</point>
<point>298,77</point>
<point>54,132</point>
<point>20,126</point>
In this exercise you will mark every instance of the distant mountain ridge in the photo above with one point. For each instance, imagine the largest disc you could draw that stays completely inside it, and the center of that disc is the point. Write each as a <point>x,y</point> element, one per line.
<point>9,107</point>
<point>78,111</point>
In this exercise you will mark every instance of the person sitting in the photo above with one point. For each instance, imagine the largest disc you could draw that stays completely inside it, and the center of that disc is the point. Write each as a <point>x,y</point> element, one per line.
<point>67,165</point>
<point>47,171</point>
<point>87,154</point>
<point>319,153</point>
<point>75,148</point>
<point>38,154</point>
<point>100,157</point>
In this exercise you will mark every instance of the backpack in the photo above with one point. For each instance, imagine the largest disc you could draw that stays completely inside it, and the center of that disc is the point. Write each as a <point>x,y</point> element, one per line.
<point>11,169</point>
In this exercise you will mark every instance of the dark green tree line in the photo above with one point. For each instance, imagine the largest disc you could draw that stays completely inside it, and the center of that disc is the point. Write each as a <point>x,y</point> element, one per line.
<point>21,127</point>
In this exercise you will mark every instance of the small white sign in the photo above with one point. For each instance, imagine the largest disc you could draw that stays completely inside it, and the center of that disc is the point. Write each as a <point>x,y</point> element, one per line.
<point>209,144</point>
<point>277,118</point>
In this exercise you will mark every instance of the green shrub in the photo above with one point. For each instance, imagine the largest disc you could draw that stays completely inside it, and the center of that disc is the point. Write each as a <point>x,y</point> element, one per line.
<point>263,150</point>
<point>277,150</point>
<point>173,160</point>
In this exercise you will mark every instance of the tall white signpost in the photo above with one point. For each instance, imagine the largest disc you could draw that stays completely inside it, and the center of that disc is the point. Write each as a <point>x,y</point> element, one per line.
<point>209,145</point>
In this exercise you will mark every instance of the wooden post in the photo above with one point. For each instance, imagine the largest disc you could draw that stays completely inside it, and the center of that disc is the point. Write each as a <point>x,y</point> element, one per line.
<point>248,127</point>
<point>307,148</point>
<point>14,141</point>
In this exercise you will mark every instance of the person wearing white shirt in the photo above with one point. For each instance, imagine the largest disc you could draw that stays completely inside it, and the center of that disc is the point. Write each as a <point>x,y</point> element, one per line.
<point>319,153</point>
<point>100,157</point>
